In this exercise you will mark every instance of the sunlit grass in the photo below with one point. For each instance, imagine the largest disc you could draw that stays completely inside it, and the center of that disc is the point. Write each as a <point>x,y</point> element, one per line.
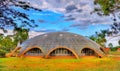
<point>40,64</point>
<point>114,52</point>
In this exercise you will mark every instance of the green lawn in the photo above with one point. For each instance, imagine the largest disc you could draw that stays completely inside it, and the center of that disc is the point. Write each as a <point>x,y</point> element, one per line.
<point>114,52</point>
<point>39,64</point>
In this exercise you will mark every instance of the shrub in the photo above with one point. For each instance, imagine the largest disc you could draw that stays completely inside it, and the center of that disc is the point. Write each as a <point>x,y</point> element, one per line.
<point>115,48</point>
<point>2,53</point>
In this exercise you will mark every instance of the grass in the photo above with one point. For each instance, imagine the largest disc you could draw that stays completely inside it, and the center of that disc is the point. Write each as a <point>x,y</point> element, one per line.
<point>114,52</point>
<point>40,64</point>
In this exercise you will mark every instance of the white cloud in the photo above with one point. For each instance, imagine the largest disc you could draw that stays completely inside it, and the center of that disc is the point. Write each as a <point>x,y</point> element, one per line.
<point>113,39</point>
<point>9,32</point>
<point>78,9</point>
<point>33,34</point>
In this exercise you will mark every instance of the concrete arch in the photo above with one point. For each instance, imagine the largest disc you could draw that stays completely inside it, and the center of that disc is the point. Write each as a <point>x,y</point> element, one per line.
<point>97,52</point>
<point>103,50</point>
<point>22,54</point>
<point>47,55</point>
<point>17,48</point>
<point>12,53</point>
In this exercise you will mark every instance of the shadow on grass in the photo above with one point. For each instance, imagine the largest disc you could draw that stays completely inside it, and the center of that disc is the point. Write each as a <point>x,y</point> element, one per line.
<point>1,67</point>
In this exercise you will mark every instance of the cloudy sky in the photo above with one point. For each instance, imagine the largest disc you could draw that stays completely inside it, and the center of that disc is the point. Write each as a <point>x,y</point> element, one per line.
<point>67,15</point>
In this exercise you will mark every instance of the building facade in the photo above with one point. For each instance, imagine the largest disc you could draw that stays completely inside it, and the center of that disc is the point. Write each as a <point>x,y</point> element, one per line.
<point>59,44</point>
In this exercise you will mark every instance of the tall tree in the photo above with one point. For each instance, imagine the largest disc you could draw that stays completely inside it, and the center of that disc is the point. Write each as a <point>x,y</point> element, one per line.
<point>9,16</point>
<point>106,8</point>
<point>20,35</point>
<point>8,43</point>
<point>99,38</point>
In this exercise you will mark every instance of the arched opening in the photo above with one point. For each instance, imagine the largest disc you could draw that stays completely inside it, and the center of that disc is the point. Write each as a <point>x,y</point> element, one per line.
<point>33,52</point>
<point>61,53</point>
<point>88,52</point>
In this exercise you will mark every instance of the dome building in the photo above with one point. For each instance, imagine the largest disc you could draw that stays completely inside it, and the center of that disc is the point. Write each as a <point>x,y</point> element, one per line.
<point>59,44</point>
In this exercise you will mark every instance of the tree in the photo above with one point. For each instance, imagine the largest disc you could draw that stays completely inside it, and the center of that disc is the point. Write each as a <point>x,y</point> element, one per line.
<point>8,43</point>
<point>115,29</point>
<point>1,38</point>
<point>99,38</point>
<point>106,8</point>
<point>110,45</point>
<point>9,16</point>
<point>119,42</point>
<point>2,53</point>
<point>20,35</point>
<point>93,38</point>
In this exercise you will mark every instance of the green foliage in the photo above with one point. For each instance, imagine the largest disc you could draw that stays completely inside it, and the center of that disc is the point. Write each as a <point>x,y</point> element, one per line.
<point>99,38</point>
<point>108,6</point>
<point>114,48</point>
<point>21,35</point>
<point>8,43</point>
<point>2,53</point>
<point>110,45</point>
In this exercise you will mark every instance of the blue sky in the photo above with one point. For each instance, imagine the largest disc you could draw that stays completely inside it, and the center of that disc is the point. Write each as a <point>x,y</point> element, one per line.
<point>49,21</point>
<point>67,15</point>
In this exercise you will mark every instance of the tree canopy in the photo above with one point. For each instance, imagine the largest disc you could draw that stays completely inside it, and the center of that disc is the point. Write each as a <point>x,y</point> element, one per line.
<point>108,7</point>
<point>8,43</point>
<point>9,16</point>
<point>20,35</point>
<point>99,38</point>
